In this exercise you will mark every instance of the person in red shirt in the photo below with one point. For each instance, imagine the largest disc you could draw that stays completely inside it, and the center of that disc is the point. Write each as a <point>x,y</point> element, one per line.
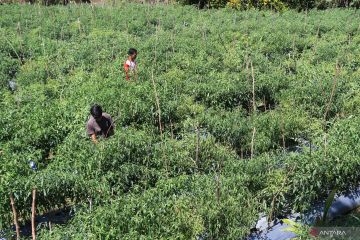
<point>130,64</point>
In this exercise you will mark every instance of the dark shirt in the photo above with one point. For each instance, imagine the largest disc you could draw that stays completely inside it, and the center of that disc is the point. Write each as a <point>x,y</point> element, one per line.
<point>104,127</point>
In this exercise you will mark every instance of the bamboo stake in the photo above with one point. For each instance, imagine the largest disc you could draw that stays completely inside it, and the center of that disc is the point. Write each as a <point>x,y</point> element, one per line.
<point>293,47</point>
<point>253,86</point>
<point>282,131</point>
<point>318,32</point>
<point>33,212</point>
<point>157,102</point>
<point>325,145</point>
<point>252,143</point>
<point>197,150</point>
<point>337,71</point>
<point>247,78</point>
<point>12,202</point>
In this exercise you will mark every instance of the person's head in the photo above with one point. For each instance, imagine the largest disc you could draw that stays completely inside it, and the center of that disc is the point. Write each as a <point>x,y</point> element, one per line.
<point>132,53</point>
<point>96,112</point>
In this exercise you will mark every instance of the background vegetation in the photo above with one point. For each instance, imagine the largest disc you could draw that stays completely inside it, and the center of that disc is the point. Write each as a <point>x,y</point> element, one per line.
<point>276,5</point>
<point>234,91</point>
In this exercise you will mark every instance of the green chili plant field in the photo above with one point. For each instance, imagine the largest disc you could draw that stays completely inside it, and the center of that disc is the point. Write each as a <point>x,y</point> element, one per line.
<point>202,139</point>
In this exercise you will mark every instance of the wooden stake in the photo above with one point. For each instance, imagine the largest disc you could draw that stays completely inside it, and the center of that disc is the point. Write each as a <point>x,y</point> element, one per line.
<point>253,86</point>
<point>293,47</point>
<point>157,102</point>
<point>12,202</point>
<point>197,150</point>
<point>282,131</point>
<point>318,32</point>
<point>337,71</point>
<point>247,78</point>
<point>252,143</point>
<point>33,213</point>
<point>325,145</point>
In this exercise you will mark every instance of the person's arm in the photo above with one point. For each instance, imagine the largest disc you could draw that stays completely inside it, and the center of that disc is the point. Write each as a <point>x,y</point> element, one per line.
<point>91,132</point>
<point>126,67</point>
<point>93,138</point>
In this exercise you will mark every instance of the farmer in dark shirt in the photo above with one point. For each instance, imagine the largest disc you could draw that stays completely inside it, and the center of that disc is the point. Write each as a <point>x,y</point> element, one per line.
<point>99,124</point>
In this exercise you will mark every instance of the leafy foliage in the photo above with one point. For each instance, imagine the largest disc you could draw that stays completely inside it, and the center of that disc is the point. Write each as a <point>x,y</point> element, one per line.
<point>220,158</point>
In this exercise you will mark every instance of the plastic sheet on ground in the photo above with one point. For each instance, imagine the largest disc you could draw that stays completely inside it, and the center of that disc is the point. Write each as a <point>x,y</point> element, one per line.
<point>341,205</point>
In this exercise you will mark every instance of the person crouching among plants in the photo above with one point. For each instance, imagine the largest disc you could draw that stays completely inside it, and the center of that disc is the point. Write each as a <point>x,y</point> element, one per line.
<point>100,124</point>
<point>130,65</point>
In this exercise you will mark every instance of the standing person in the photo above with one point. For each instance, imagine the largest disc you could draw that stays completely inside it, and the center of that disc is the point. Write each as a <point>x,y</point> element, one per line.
<point>99,124</point>
<point>130,64</point>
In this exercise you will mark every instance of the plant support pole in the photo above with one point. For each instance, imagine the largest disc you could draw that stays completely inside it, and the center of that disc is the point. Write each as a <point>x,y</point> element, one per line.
<point>252,143</point>
<point>15,216</point>
<point>253,86</point>
<point>33,212</point>
<point>282,131</point>
<point>157,102</point>
<point>337,71</point>
<point>197,146</point>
